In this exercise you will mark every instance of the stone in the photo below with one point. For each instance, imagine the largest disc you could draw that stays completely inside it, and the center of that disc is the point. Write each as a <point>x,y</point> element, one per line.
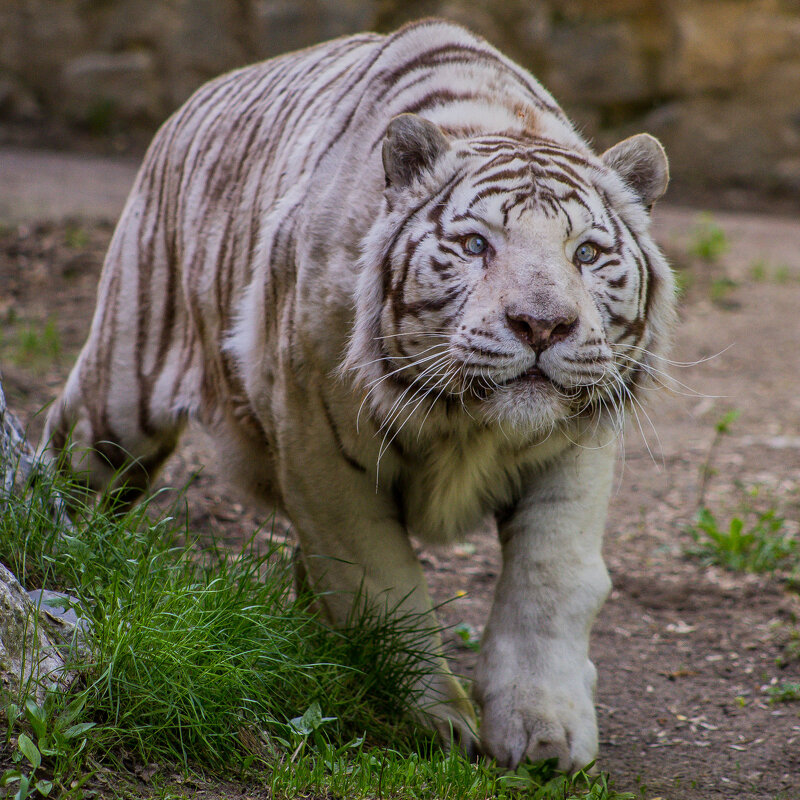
<point>38,36</point>
<point>283,25</point>
<point>17,102</point>
<point>124,82</point>
<point>34,646</point>
<point>575,51</point>
<point>613,65</point>
<point>35,639</point>
<point>711,140</point>
<point>59,607</point>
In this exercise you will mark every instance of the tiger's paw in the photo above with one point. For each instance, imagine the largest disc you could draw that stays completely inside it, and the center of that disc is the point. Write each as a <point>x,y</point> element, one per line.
<point>538,724</point>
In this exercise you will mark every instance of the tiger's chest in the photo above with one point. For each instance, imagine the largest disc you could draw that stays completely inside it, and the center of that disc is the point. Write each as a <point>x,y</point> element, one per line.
<point>447,490</point>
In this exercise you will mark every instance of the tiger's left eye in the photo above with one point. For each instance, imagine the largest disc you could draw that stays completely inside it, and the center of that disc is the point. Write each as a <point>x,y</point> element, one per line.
<point>475,245</point>
<point>586,253</point>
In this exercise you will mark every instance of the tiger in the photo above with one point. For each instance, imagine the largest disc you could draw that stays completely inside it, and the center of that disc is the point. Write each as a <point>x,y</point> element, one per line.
<point>404,296</point>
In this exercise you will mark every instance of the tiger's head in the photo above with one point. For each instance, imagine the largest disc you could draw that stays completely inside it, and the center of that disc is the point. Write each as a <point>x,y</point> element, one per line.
<point>514,278</point>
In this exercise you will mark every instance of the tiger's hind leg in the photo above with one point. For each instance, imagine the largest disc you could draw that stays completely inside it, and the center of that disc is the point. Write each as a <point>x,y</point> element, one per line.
<point>136,380</point>
<point>94,430</point>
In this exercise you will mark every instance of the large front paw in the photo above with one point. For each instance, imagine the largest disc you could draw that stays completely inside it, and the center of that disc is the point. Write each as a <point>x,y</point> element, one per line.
<point>539,723</point>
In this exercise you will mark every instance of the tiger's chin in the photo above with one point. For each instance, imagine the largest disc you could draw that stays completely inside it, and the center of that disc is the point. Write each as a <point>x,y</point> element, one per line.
<point>527,407</point>
<point>532,406</point>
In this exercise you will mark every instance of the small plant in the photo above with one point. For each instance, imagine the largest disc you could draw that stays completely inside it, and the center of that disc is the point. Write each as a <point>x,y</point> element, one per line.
<point>721,289</point>
<point>38,347</point>
<point>783,692</point>
<point>709,241</point>
<point>309,725</point>
<point>760,546</point>
<point>761,271</point>
<point>721,429</point>
<point>466,637</point>
<point>758,270</point>
<point>59,741</point>
<point>76,237</point>
<point>787,637</point>
<point>100,116</point>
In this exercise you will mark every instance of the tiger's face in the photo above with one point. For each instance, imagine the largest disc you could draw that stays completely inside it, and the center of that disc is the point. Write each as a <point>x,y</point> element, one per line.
<point>517,282</point>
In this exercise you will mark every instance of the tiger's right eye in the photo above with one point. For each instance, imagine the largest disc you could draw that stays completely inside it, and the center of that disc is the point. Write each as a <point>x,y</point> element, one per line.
<point>475,244</point>
<point>587,253</point>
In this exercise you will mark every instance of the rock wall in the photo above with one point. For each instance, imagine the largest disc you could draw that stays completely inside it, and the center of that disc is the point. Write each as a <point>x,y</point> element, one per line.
<point>717,80</point>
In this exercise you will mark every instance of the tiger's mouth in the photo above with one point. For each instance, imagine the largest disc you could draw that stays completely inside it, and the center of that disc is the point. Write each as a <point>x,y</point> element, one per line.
<point>531,375</point>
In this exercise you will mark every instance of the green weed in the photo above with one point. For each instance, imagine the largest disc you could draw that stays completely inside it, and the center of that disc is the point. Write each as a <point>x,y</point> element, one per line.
<point>76,237</point>
<point>708,241</point>
<point>467,637</point>
<point>783,692</point>
<point>722,428</point>
<point>787,636</point>
<point>33,347</point>
<point>100,116</point>
<point>757,544</point>
<point>58,739</point>
<point>759,270</point>
<point>720,291</point>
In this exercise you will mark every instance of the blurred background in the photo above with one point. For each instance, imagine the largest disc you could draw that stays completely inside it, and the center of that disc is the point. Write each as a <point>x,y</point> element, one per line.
<point>718,81</point>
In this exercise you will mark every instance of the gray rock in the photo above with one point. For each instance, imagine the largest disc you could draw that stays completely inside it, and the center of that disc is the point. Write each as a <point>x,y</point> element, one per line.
<point>34,639</point>
<point>33,646</point>
<point>60,607</point>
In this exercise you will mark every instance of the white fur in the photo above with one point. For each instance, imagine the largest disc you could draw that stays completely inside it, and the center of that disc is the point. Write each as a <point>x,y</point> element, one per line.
<point>299,288</point>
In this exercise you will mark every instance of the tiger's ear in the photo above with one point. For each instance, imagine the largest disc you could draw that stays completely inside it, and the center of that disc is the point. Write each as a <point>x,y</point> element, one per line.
<point>642,164</point>
<point>411,145</point>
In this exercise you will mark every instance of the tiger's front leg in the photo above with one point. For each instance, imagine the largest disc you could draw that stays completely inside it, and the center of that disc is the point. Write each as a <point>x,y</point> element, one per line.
<point>355,549</point>
<point>534,680</point>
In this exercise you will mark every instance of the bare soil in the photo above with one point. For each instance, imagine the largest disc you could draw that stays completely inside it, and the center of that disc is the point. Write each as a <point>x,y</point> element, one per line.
<point>684,651</point>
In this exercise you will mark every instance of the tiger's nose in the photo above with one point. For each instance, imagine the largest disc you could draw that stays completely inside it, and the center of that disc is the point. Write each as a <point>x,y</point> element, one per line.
<point>539,333</point>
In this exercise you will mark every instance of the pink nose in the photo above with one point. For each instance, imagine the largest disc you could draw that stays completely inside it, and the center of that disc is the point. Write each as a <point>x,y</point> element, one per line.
<point>538,333</point>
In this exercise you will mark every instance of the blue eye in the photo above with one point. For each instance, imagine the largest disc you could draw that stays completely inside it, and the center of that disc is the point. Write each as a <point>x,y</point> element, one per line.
<point>475,245</point>
<point>586,253</point>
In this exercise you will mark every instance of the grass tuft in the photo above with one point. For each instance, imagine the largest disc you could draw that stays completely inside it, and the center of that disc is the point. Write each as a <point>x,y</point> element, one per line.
<point>783,692</point>
<point>31,347</point>
<point>709,241</point>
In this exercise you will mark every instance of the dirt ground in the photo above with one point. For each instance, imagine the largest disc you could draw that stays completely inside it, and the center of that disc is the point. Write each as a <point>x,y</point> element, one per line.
<point>684,652</point>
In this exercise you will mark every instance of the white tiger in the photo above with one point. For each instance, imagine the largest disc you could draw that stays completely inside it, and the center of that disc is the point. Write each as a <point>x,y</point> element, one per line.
<point>404,294</point>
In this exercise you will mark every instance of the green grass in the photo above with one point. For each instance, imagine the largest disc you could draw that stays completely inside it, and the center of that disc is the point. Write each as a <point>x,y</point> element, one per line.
<point>749,542</point>
<point>721,289</point>
<point>201,660</point>
<point>783,692</point>
<point>30,346</point>
<point>709,241</point>
<point>762,271</point>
